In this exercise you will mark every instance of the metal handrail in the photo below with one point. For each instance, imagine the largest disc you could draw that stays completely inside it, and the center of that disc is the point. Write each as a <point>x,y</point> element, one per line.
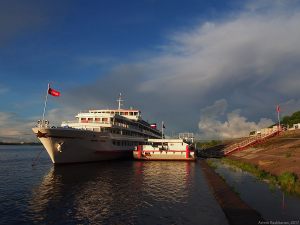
<point>248,142</point>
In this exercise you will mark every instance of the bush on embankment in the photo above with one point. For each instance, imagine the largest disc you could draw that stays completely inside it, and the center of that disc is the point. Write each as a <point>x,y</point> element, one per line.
<point>288,181</point>
<point>207,144</point>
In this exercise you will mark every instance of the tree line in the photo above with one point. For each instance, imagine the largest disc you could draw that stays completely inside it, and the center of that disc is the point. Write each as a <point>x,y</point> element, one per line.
<point>290,120</point>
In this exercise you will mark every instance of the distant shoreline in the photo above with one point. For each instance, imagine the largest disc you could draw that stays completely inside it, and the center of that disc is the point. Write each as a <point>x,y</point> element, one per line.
<point>25,143</point>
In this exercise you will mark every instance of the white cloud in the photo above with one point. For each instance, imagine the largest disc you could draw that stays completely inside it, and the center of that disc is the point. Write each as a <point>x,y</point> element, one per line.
<point>234,125</point>
<point>14,128</point>
<point>252,59</point>
<point>57,115</point>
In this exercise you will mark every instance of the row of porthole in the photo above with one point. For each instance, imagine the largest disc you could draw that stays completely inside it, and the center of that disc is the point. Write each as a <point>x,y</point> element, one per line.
<point>124,143</point>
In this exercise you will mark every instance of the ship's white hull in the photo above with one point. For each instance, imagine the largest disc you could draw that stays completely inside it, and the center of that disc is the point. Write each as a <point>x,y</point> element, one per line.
<point>65,145</point>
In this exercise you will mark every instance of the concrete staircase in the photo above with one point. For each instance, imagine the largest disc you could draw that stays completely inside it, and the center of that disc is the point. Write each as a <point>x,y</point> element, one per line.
<point>248,142</point>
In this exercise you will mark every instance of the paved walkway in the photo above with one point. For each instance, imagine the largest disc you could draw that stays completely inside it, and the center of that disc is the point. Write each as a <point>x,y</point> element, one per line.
<point>236,211</point>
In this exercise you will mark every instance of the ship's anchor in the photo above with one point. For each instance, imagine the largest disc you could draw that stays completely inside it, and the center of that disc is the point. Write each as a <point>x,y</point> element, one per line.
<point>59,146</point>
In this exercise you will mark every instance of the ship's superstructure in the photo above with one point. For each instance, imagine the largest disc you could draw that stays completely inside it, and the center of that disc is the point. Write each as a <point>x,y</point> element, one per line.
<point>96,135</point>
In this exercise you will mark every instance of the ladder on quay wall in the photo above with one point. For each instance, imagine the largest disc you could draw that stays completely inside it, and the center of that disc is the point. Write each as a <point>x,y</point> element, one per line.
<point>248,142</point>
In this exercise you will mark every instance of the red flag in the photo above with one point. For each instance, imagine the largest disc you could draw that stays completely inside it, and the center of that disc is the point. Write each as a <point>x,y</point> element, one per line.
<point>153,125</point>
<point>53,92</point>
<point>278,108</point>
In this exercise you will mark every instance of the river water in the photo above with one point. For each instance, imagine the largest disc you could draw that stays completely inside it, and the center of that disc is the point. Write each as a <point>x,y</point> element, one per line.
<point>116,192</point>
<point>124,192</point>
<point>271,202</point>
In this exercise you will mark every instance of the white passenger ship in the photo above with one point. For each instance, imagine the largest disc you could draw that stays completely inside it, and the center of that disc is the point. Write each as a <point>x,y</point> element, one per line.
<point>96,135</point>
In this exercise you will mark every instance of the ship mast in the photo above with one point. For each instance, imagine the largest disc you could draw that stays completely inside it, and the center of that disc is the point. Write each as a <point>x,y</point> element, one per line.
<point>120,101</point>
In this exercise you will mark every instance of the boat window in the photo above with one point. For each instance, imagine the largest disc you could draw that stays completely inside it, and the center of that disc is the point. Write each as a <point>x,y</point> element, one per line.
<point>131,113</point>
<point>97,119</point>
<point>105,119</point>
<point>83,120</point>
<point>135,113</point>
<point>125,113</point>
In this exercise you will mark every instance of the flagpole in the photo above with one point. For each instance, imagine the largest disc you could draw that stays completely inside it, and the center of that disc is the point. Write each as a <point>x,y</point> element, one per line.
<point>45,104</point>
<point>278,117</point>
<point>162,129</point>
<point>162,134</point>
<point>279,120</point>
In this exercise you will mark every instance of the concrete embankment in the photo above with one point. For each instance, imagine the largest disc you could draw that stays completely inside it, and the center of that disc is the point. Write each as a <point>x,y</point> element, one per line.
<point>277,155</point>
<point>236,211</point>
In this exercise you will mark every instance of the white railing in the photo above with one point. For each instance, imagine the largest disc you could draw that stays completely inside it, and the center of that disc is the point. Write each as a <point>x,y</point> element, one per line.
<point>86,121</point>
<point>249,141</point>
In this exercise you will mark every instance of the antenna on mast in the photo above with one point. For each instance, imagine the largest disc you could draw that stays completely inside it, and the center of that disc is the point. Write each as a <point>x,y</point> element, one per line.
<point>120,101</point>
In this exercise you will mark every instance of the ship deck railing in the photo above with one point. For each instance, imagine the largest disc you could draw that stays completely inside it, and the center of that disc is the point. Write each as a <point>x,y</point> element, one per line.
<point>90,122</point>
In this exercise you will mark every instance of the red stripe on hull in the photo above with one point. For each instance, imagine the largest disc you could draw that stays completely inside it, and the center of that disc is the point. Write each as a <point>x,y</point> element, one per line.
<point>165,159</point>
<point>113,152</point>
<point>164,151</point>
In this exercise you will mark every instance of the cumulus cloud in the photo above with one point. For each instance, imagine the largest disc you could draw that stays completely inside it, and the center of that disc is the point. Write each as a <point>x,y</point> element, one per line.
<point>56,115</point>
<point>234,125</point>
<point>251,58</point>
<point>15,128</point>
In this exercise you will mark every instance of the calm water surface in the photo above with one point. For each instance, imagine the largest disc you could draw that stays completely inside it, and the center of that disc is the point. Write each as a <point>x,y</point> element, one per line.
<point>272,203</point>
<point>117,192</point>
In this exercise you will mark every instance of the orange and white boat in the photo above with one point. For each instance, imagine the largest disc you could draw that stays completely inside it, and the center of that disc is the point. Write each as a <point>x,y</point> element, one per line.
<point>165,149</point>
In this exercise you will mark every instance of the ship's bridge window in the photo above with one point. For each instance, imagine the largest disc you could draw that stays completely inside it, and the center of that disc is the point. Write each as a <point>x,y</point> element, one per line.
<point>131,113</point>
<point>135,113</point>
<point>125,113</point>
<point>121,113</point>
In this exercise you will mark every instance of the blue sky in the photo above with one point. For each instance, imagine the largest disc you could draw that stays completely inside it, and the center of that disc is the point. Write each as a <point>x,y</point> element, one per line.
<point>175,60</point>
<point>75,42</point>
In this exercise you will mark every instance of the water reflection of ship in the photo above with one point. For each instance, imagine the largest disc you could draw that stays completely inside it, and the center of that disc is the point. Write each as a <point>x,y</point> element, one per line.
<point>78,193</point>
<point>165,181</point>
<point>106,193</point>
